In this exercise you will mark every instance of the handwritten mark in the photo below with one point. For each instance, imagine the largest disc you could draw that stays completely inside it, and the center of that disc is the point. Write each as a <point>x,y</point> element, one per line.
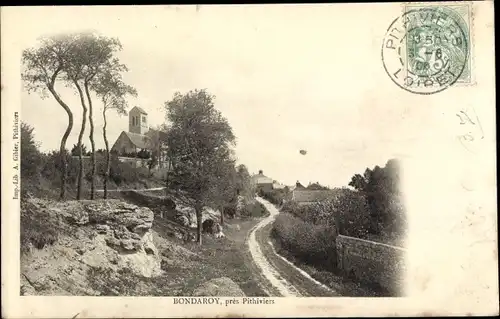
<point>472,122</point>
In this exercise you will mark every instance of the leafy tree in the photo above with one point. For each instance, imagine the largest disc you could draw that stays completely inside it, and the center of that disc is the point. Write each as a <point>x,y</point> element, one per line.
<point>155,140</point>
<point>380,186</point>
<point>112,91</point>
<point>93,56</point>
<point>198,141</point>
<point>43,67</point>
<point>78,149</point>
<point>31,157</point>
<point>224,186</point>
<point>358,182</point>
<point>243,182</point>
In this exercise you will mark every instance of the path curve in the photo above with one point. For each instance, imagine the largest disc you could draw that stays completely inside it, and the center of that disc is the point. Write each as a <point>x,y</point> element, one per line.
<point>284,278</point>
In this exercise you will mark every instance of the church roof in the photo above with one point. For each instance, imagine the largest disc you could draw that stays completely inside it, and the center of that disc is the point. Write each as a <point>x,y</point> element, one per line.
<point>139,109</point>
<point>138,140</point>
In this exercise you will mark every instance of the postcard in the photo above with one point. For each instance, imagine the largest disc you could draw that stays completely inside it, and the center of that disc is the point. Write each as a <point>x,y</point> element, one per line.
<point>270,160</point>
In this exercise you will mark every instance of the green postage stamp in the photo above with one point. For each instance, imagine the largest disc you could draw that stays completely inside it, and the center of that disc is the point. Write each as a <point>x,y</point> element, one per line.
<point>428,48</point>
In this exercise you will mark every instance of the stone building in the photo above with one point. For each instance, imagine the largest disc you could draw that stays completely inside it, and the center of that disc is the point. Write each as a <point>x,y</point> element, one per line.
<point>140,137</point>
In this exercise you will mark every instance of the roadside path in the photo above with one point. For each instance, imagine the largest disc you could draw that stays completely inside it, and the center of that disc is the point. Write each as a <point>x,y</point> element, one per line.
<point>281,277</point>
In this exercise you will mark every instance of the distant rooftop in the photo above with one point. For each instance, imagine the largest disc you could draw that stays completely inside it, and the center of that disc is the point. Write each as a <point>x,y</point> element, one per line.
<point>261,178</point>
<point>139,109</point>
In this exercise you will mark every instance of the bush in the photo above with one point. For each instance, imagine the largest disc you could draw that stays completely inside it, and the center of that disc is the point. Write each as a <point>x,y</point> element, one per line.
<point>31,157</point>
<point>253,209</point>
<point>312,244</point>
<point>122,172</point>
<point>275,196</point>
<point>347,210</point>
<point>37,229</point>
<point>381,188</point>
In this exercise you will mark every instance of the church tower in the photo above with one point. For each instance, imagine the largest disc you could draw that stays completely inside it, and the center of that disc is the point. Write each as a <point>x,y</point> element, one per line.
<point>138,121</point>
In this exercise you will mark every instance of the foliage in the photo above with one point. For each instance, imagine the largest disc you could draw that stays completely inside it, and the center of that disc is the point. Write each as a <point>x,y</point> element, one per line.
<point>316,186</point>
<point>75,151</point>
<point>244,185</point>
<point>42,170</point>
<point>37,230</point>
<point>43,66</point>
<point>348,212</point>
<point>144,154</point>
<point>122,172</point>
<point>223,191</point>
<point>155,142</point>
<point>198,141</point>
<point>31,157</point>
<point>253,209</point>
<point>312,244</point>
<point>79,60</point>
<point>384,198</point>
<point>275,196</point>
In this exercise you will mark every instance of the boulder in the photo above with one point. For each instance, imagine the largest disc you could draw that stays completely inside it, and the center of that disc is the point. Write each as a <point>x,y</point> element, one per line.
<point>219,287</point>
<point>101,237</point>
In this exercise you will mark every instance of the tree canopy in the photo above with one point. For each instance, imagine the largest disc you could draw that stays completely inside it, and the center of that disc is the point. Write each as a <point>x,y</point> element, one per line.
<point>200,144</point>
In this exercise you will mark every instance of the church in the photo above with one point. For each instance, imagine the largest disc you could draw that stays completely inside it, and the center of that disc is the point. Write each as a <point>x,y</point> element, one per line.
<point>139,138</point>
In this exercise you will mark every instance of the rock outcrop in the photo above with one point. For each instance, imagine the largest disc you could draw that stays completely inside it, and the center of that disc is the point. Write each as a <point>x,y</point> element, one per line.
<point>219,287</point>
<point>107,236</point>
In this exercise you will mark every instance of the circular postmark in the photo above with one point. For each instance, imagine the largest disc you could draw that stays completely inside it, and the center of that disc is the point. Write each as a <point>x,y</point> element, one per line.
<point>426,50</point>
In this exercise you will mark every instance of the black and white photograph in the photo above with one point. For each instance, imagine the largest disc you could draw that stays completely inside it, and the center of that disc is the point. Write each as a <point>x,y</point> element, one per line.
<point>227,156</point>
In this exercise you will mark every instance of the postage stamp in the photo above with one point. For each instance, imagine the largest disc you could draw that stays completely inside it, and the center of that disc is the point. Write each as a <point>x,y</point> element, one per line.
<point>428,48</point>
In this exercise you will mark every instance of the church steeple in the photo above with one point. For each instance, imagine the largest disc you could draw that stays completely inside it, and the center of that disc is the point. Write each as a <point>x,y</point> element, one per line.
<point>138,121</point>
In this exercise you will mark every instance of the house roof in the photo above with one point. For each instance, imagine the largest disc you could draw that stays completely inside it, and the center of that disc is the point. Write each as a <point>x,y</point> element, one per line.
<point>304,195</point>
<point>262,179</point>
<point>139,109</point>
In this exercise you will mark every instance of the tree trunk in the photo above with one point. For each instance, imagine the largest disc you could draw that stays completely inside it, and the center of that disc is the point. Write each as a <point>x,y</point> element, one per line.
<point>62,148</point>
<point>79,145</point>
<point>222,215</point>
<point>198,224</point>
<point>92,143</point>
<point>108,156</point>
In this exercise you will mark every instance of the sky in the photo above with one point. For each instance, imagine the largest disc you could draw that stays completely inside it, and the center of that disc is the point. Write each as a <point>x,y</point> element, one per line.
<point>287,78</point>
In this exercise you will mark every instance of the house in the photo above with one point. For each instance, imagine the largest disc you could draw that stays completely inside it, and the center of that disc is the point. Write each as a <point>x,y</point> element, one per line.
<point>138,138</point>
<point>297,185</point>
<point>262,182</point>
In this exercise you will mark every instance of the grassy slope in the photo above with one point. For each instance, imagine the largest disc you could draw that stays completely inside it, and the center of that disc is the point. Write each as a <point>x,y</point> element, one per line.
<point>227,257</point>
<point>187,265</point>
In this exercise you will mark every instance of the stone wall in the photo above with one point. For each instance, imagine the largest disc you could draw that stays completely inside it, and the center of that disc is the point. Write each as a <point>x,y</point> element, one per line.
<point>372,262</point>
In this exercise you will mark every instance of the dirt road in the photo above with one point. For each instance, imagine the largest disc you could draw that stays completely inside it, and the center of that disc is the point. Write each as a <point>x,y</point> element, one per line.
<point>279,276</point>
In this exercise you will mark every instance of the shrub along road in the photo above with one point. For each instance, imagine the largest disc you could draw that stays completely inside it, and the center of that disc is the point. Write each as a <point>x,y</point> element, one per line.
<point>279,276</point>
